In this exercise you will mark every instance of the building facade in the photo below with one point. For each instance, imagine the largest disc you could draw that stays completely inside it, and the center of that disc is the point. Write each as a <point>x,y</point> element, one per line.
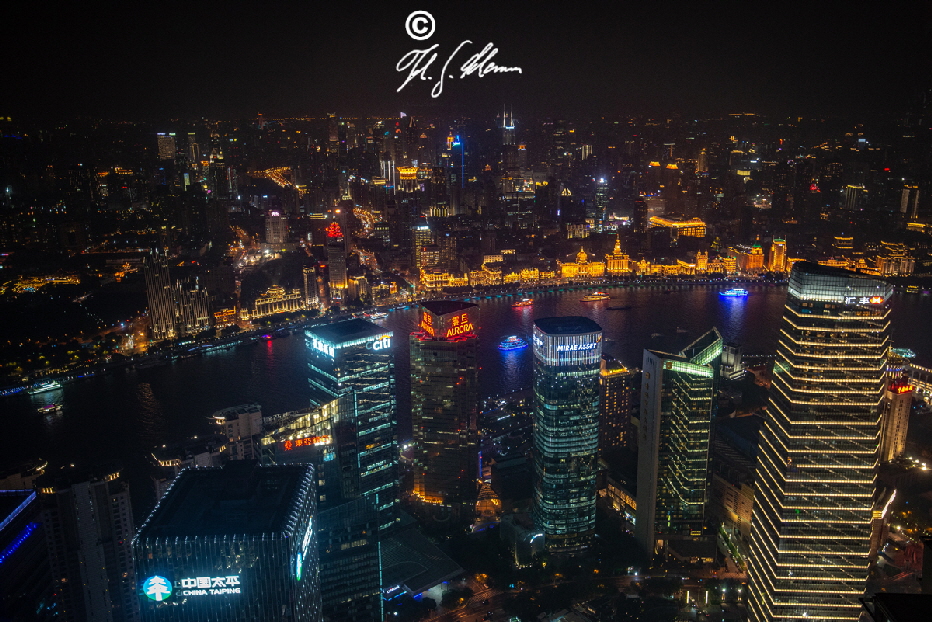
<point>567,353</point>
<point>616,405</point>
<point>89,525</point>
<point>445,403</point>
<point>231,544</point>
<point>816,469</point>
<point>678,397</point>
<point>351,363</point>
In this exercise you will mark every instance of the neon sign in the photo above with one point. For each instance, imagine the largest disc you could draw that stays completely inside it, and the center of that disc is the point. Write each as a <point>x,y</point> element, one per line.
<point>863,300</point>
<point>381,344</point>
<point>157,588</point>
<point>461,326</point>
<point>209,586</point>
<point>310,441</point>
<point>576,347</point>
<point>427,324</point>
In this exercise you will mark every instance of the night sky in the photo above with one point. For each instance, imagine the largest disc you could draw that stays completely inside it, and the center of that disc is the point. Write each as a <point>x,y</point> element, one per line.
<point>224,59</point>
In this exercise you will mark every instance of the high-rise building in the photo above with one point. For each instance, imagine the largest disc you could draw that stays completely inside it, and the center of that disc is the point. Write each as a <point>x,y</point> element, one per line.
<point>677,405</point>
<point>237,543</point>
<point>567,354</point>
<point>445,403</point>
<point>898,401</point>
<point>276,228</point>
<point>778,255</point>
<point>161,297</point>
<point>352,363</point>
<point>89,526</point>
<point>616,405</point>
<point>336,262</point>
<point>818,449</point>
<point>166,145</point>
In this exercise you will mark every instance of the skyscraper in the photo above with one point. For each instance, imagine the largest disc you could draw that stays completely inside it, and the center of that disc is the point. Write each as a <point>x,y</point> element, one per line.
<point>818,449</point>
<point>336,262</point>
<point>161,297</point>
<point>276,228</point>
<point>352,363</point>
<point>231,544</point>
<point>616,391</point>
<point>567,352</point>
<point>444,402</point>
<point>677,402</point>
<point>898,401</point>
<point>166,145</point>
<point>89,525</point>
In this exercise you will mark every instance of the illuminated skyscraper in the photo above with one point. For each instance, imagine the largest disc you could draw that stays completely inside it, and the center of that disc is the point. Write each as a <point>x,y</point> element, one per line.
<point>276,228</point>
<point>336,262</point>
<point>898,401</point>
<point>237,544</point>
<point>818,449</point>
<point>567,353</point>
<point>166,144</point>
<point>778,255</point>
<point>616,405</point>
<point>677,404</point>
<point>444,402</point>
<point>352,363</point>
<point>161,297</point>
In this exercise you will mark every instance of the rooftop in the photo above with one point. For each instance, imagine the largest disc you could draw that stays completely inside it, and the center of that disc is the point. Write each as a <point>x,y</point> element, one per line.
<point>349,330</point>
<point>241,498</point>
<point>573,325</point>
<point>443,307</point>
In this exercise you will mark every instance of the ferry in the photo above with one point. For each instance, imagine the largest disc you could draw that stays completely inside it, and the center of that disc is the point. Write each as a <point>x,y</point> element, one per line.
<point>42,387</point>
<point>512,343</point>
<point>378,316</point>
<point>594,296</point>
<point>49,409</point>
<point>734,293</point>
<point>524,302</point>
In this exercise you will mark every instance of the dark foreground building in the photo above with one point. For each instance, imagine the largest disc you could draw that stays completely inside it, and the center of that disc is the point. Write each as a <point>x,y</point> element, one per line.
<point>231,544</point>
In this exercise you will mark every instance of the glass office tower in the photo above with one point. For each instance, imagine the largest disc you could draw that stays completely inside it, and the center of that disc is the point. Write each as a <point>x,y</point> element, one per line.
<point>237,544</point>
<point>445,405</point>
<point>351,363</point>
<point>817,457</point>
<point>567,354</point>
<point>677,404</point>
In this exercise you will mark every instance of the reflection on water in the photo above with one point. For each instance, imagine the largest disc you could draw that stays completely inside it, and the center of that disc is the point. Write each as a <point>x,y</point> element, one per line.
<point>121,416</point>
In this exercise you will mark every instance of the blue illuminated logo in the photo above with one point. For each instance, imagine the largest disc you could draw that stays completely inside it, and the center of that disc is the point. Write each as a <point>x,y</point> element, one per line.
<point>157,588</point>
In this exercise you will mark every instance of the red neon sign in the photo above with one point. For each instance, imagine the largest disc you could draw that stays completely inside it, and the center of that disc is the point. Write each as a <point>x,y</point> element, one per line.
<point>334,231</point>
<point>306,442</point>
<point>876,300</point>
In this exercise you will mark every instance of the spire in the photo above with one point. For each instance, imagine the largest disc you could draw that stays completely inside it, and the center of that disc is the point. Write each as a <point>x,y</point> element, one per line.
<point>617,249</point>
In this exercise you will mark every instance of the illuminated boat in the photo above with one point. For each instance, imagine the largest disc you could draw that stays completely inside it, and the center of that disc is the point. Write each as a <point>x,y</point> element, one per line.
<point>524,302</point>
<point>378,316</point>
<point>512,343</point>
<point>734,293</point>
<point>42,387</point>
<point>594,296</point>
<point>49,409</point>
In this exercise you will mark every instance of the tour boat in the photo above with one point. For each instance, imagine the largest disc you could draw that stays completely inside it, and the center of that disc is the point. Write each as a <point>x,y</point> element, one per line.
<point>512,343</point>
<point>734,293</point>
<point>594,296</point>
<point>42,387</point>
<point>378,316</point>
<point>49,409</point>
<point>524,302</point>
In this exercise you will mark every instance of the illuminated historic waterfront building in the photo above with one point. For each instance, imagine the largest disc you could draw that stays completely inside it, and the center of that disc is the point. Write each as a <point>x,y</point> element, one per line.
<point>778,255</point>
<point>818,450</point>
<point>618,262</point>
<point>444,403</point>
<point>567,354</point>
<point>582,268</point>
<point>677,405</point>
<point>352,363</point>
<point>231,544</point>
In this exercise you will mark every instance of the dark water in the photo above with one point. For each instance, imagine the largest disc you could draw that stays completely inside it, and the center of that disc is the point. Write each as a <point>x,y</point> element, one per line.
<point>123,415</point>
